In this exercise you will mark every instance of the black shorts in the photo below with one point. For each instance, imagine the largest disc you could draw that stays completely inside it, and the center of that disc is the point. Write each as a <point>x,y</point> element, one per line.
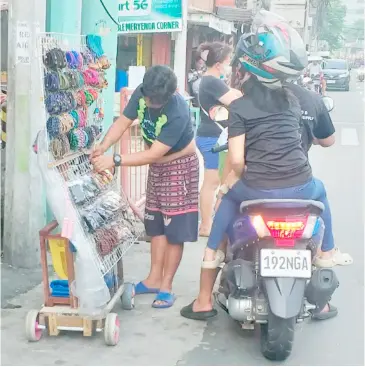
<point>172,200</point>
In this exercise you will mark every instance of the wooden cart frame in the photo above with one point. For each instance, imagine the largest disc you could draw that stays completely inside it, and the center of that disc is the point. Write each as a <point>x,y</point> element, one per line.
<point>62,313</point>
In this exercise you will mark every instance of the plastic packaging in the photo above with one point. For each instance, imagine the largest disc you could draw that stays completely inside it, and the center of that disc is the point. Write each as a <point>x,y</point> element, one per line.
<point>90,286</point>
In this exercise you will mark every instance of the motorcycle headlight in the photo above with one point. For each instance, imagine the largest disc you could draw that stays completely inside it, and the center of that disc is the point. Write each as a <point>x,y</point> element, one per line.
<point>344,75</point>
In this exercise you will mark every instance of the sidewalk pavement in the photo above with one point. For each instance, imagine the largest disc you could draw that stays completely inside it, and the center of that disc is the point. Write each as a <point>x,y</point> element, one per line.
<point>148,336</point>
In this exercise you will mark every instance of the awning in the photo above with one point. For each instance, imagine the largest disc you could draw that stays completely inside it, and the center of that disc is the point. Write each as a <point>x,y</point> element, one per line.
<point>212,21</point>
<point>234,14</point>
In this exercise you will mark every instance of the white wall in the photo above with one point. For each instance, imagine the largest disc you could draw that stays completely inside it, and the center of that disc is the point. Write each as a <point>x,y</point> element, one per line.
<point>294,11</point>
<point>291,10</point>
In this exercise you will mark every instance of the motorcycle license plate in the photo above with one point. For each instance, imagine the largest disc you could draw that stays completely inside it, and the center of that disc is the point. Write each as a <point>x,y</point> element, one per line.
<point>285,263</point>
<point>331,81</point>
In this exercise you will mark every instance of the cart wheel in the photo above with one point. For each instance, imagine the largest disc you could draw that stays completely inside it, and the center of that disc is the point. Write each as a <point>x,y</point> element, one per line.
<point>32,330</point>
<point>111,329</point>
<point>127,297</point>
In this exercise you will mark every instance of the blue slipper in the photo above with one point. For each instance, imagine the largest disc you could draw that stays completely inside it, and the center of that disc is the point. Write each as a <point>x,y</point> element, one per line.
<point>167,298</point>
<point>140,288</point>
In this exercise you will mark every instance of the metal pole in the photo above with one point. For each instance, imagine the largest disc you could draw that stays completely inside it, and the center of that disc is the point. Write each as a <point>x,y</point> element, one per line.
<point>24,205</point>
<point>180,49</point>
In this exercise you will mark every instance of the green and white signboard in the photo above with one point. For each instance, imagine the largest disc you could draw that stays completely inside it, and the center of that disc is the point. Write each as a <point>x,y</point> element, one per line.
<point>149,16</point>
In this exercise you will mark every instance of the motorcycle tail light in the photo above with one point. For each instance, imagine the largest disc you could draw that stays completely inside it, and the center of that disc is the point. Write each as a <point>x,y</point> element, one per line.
<point>284,230</point>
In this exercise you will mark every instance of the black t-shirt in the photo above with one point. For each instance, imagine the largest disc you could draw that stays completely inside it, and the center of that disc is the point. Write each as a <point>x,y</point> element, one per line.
<point>170,124</point>
<point>316,120</point>
<point>210,90</point>
<point>273,153</point>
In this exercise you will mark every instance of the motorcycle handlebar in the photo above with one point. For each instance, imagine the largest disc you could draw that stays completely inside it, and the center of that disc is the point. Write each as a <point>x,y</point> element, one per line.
<point>220,148</point>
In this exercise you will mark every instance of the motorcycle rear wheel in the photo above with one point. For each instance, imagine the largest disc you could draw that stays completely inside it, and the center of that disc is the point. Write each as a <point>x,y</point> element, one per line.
<point>277,337</point>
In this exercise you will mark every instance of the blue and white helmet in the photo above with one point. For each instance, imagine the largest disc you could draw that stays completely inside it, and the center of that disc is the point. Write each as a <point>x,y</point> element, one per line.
<point>273,51</point>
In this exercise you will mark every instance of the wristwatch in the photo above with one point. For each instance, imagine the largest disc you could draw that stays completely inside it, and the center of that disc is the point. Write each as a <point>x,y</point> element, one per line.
<point>117,160</point>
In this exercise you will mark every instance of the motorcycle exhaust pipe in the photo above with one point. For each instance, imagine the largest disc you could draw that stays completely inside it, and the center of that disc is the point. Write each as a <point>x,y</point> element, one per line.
<point>219,303</point>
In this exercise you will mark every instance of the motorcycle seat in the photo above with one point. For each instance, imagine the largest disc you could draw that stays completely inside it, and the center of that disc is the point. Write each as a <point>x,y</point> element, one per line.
<point>251,206</point>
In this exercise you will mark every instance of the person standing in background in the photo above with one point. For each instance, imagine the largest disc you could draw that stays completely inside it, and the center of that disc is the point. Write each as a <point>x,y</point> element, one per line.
<point>212,91</point>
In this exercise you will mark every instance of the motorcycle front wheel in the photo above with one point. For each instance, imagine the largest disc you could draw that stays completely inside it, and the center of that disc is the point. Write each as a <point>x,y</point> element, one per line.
<point>277,337</point>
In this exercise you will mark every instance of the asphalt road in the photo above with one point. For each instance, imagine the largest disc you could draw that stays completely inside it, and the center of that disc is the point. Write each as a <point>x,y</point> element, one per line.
<point>162,337</point>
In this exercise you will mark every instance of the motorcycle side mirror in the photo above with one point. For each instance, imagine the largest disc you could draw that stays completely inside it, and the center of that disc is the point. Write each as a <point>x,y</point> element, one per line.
<point>218,113</point>
<point>329,103</point>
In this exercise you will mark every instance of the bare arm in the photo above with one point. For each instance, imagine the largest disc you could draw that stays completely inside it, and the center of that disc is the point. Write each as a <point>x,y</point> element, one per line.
<point>325,143</point>
<point>152,155</point>
<point>115,132</point>
<point>230,96</point>
<point>236,154</point>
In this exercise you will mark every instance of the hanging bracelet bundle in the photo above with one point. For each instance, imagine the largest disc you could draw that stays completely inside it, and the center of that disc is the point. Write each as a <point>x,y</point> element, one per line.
<point>74,60</point>
<point>55,59</point>
<point>73,81</point>
<point>60,146</point>
<point>59,102</point>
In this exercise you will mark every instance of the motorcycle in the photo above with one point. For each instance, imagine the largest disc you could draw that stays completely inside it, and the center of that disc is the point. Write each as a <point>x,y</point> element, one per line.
<point>313,83</point>
<point>268,278</point>
<point>317,85</point>
<point>306,82</point>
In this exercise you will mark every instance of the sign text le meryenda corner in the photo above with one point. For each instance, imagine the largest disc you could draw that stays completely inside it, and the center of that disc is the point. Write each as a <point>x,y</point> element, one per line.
<point>149,16</point>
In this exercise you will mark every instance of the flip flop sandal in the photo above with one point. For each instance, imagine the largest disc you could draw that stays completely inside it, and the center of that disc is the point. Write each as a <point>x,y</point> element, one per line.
<point>188,313</point>
<point>337,259</point>
<point>332,312</point>
<point>143,289</point>
<point>168,300</point>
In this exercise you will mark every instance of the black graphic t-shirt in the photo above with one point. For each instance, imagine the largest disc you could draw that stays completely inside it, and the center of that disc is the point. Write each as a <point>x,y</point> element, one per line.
<point>273,152</point>
<point>316,120</point>
<point>170,125</point>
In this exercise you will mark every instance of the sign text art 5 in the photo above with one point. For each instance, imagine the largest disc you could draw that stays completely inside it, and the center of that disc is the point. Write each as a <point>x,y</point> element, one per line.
<point>149,16</point>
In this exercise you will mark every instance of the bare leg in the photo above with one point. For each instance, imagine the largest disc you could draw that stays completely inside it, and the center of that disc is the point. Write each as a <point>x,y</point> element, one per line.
<point>158,250</point>
<point>204,302</point>
<point>207,199</point>
<point>173,255</point>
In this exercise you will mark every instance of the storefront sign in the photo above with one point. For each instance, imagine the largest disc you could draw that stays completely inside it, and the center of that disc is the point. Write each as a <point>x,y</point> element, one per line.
<point>220,25</point>
<point>149,16</point>
<point>22,53</point>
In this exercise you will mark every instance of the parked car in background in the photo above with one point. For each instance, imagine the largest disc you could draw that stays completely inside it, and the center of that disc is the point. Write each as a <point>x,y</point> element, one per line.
<point>337,74</point>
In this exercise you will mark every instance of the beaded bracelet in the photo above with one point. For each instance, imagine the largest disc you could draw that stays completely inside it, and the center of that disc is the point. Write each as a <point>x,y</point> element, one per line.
<point>75,116</point>
<point>53,126</point>
<point>80,98</point>
<point>80,59</point>
<point>66,123</point>
<point>94,44</point>
<point>55,59</point>
<point>91,77</point>
<point>52,82</point>
<point>64,80</point>
<point>59,102</point>
<point>71,60</point>
<point>82,117</point>
<point>60,146</point>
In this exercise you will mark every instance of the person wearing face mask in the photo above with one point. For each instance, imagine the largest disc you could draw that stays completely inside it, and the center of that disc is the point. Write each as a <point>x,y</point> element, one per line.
<point>213,91</point>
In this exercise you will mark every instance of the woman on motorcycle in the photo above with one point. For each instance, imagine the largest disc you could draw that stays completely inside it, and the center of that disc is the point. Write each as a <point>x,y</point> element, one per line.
<point>264,136</point>
<point>212,91</point>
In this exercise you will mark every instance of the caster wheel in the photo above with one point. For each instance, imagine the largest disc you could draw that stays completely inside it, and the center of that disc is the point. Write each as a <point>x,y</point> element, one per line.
<point>32,330</point>
<point>127,297</point>
<point>111,329</point>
